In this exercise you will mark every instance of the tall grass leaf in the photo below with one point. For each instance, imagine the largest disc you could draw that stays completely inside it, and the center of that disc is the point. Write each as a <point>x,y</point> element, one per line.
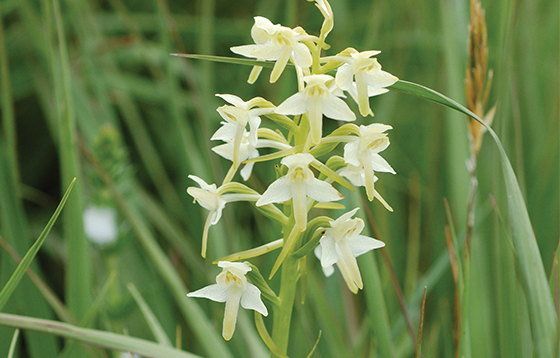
<point>222,59</point>
<point>103,339</point>
<point>533,277</point>
<point>13,344</point>
<point>151,319</point>
<point>78,271</point>
<point>30,255</point>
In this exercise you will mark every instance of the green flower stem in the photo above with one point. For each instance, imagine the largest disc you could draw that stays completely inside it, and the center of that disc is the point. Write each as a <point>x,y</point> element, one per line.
<point>283,313</point>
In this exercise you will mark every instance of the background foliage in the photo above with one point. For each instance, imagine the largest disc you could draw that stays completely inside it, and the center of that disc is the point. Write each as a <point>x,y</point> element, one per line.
<point>88,87</point>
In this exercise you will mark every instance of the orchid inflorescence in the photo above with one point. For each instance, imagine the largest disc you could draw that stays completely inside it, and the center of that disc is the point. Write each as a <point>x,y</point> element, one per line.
<point>323,83</point>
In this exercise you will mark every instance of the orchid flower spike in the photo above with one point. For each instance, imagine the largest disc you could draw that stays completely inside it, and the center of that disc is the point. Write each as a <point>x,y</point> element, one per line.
<point>362,77</point>
<point>212,198</point>
<point>297,185</point>
<point>341,244</point>
<point>276,43</point>
<point>362,155</point>
<point>232,288</point>
<point>315,100</point>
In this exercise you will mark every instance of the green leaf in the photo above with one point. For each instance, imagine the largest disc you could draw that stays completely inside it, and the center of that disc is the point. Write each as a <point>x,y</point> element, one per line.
<point>103,339</point>
<point>151,319</point>
<point>529,261</point>
<point>222,59</point>
<point>30,255</point>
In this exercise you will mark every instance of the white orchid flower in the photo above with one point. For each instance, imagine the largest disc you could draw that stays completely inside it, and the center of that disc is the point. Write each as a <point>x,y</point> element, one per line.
<point>232,288</point>
<point>297,185</point>
<point>247,150</point>
<point>341,244</point>
<point>362,154</point>
<point>276,43</point>
<point>362,77</point>
<point>316,99</point>
<point>241,114</point>
<point>211,198</point>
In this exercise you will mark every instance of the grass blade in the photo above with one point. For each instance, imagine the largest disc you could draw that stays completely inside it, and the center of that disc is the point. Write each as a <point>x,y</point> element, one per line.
<point>155,326</point>
<point>30,255</point>
<point>103,339</point>
<point>533,277</point>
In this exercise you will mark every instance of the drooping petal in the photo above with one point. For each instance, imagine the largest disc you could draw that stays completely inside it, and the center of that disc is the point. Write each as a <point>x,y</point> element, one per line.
<point>350,263</point>
<point>362,91</point>
<point>344,270</point>
<point>315,114</point>
<point>277,192</point>
<point>368,174</point>
<point>280,64</point>
<point>299,203</point>
<point>213,292</point>
<point>251,300</point>
<point>230,314</point>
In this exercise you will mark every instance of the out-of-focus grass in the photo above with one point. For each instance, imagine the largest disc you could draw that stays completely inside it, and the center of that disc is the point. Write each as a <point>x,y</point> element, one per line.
<point>162,108</point>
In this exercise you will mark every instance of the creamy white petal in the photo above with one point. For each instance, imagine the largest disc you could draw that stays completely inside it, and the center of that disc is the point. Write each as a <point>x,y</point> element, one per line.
<point>225,132</point>
<point>293,105</point>
<point>379,164</point>
<point>329,256</point>
<point>328,271</point>
<point>362,244</point>
<point>372,91</point>
<point>213,292</point>
<point>354,174</point>
<point>278,192</point>
<point>251,299</point>
<point>267,51</point>
<point>299,203</point>
<point>321,191</point>
<point>254,123</point>
<point>237,268</point>
<point>230,314</point>
<point>202,183</point>
<point>344,76</point>
<point>315,114</point>
<point>352,153</point>
<point>336,108</point>
<point>380,79</point>
<point>263,29</point>
<point>302,55</point>
<point>247,170</point>
<point>232,99</point>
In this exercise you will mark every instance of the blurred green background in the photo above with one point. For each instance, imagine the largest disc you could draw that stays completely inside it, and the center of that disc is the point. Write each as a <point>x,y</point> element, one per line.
<point>89,87</point>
